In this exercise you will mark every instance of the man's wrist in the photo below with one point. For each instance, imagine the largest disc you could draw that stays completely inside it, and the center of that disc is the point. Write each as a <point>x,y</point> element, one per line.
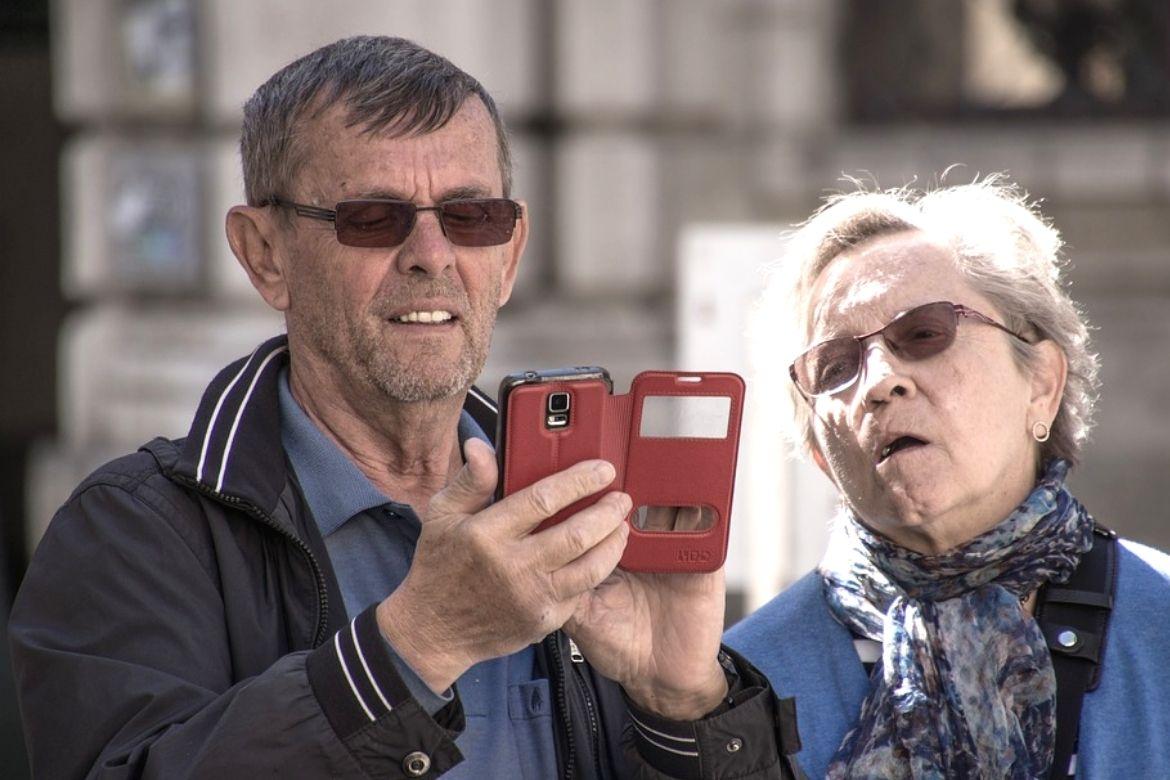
<point>429,700</point>
<point>682,705</point>
<point>432,661</point>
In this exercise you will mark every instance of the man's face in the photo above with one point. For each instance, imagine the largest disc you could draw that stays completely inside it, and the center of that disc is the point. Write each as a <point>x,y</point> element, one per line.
<point>348,307</point>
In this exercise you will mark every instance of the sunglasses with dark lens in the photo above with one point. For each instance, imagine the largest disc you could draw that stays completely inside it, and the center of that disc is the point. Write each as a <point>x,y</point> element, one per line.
<point>915,334</point>
<point>375,222</point>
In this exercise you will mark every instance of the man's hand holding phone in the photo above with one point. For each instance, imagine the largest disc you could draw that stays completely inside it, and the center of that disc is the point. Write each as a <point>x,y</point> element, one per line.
<point>655,625</point>
<point>658,636</point>
<point>482,585</point>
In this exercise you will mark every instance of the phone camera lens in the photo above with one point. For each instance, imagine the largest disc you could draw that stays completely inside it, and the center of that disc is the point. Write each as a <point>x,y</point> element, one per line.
<point>558,403</point>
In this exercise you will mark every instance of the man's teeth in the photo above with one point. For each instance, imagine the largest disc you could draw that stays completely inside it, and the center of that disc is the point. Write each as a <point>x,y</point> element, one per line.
<point>424,316</point>
<point>886,451</point>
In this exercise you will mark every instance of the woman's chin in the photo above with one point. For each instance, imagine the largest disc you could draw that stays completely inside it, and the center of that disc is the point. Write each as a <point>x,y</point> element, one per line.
<point>919,530</point>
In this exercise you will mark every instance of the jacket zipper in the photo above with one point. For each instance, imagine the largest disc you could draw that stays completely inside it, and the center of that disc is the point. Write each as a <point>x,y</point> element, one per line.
<point>590,707</point>
<point>551,646</point>
<point>257,513</point>
<point>323,614</point>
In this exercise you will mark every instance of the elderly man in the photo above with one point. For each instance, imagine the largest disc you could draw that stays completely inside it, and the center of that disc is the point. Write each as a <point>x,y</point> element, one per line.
<point>315,581</point>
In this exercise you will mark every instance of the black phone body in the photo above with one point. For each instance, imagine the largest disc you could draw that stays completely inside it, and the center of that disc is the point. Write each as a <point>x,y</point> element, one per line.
<point>547,377</point>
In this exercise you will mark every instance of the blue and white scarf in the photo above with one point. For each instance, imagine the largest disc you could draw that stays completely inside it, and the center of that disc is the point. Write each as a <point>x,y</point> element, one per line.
<point>965,686</point>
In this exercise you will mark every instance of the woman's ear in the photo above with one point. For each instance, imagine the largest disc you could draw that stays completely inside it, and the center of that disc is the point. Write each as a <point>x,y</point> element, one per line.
<point>1048,376</point>
<point>814,449</point>
<point>251,233</point>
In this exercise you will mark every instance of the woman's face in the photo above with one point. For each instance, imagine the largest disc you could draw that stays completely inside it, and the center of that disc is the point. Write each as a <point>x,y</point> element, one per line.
<point>960,420</point>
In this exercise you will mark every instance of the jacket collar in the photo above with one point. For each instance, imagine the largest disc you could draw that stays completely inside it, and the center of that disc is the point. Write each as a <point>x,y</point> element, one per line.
<point>234,446</point>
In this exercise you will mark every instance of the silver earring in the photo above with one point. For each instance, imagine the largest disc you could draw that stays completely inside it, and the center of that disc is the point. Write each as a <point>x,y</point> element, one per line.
<point>1040,431</point>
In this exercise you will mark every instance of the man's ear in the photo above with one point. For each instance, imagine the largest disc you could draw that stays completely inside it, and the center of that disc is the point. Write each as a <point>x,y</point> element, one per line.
<point>251,234</point>
<point>515,249</point>
<point>1048,376</point>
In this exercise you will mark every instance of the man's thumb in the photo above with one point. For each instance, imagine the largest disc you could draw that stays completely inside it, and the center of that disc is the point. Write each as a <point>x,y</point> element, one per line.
<point>471,488</point>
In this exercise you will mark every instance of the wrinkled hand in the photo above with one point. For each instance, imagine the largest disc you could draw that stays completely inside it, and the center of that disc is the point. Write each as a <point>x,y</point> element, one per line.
<point>657,635</point>
<point>481,584</point>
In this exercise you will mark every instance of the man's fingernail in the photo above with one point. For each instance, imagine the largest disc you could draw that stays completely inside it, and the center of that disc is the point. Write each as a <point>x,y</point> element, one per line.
<point>605,472</point>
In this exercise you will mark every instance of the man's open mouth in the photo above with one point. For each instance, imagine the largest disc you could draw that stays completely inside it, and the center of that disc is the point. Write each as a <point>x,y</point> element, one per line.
<point>424,316</point>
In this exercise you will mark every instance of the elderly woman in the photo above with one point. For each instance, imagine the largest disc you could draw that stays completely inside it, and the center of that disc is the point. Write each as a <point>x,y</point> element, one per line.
<point>970,618</point>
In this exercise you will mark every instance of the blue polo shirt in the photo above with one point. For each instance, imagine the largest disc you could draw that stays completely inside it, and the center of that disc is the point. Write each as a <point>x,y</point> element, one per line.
<point>370,539</point>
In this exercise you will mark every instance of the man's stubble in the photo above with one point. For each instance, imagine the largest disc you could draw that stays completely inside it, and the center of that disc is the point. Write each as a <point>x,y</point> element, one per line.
<point>360,347</point>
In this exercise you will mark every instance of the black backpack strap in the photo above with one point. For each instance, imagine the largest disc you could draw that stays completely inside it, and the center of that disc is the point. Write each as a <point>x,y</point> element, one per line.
<point>1074,617</point>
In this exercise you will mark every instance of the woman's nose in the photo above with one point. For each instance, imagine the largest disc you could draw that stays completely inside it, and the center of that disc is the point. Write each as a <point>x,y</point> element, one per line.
<point>883,375</point>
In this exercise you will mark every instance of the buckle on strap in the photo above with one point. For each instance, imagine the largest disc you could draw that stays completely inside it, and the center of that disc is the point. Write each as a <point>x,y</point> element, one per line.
<point>1087,598</point>
<point>1073,642</point>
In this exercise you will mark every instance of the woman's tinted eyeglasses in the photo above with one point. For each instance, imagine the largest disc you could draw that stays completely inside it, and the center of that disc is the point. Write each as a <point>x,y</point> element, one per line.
<point>382,223</point>
<point>915,334</point>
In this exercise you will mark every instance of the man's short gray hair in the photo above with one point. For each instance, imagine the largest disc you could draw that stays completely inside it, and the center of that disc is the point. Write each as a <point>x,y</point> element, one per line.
<point>388,85</point>
<point>1003,245</point>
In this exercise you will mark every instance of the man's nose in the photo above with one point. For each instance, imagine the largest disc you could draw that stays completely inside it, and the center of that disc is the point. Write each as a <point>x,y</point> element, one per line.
<point>426,250</point>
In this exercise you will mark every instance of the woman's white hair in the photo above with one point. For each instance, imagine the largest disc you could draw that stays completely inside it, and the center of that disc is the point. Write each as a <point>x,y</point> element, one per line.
<point>1003,245</point>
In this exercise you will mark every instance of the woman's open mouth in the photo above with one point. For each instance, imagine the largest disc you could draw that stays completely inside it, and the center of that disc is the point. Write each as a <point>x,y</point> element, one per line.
<point>898,445</point>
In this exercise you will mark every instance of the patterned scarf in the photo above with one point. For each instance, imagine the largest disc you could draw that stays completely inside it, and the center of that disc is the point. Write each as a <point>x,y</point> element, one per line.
<point>965,686</point>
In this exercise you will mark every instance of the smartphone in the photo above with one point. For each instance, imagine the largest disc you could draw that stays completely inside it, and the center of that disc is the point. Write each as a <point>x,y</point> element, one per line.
<point>548,421</point>
<point>673,441</point>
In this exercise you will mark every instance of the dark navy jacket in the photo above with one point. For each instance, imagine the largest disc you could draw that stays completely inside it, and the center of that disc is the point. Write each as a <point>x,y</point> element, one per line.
<point>181,619</point>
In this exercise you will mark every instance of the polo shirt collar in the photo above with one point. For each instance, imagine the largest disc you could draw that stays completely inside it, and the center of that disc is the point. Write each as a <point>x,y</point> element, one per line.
<point>334,487</point>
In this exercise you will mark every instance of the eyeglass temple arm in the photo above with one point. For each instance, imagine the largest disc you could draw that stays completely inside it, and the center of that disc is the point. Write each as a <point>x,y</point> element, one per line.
<point>965,312</point>
<point>313,212</point>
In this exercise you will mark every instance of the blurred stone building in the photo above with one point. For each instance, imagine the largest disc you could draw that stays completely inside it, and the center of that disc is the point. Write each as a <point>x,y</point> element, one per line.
<point>662,145</point>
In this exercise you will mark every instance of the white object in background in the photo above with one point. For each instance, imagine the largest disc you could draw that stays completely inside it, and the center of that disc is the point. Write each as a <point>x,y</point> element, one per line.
<point>778,527</point>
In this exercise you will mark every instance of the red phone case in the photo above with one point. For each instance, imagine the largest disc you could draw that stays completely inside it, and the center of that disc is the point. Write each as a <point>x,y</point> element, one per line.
<point>655,471</point>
